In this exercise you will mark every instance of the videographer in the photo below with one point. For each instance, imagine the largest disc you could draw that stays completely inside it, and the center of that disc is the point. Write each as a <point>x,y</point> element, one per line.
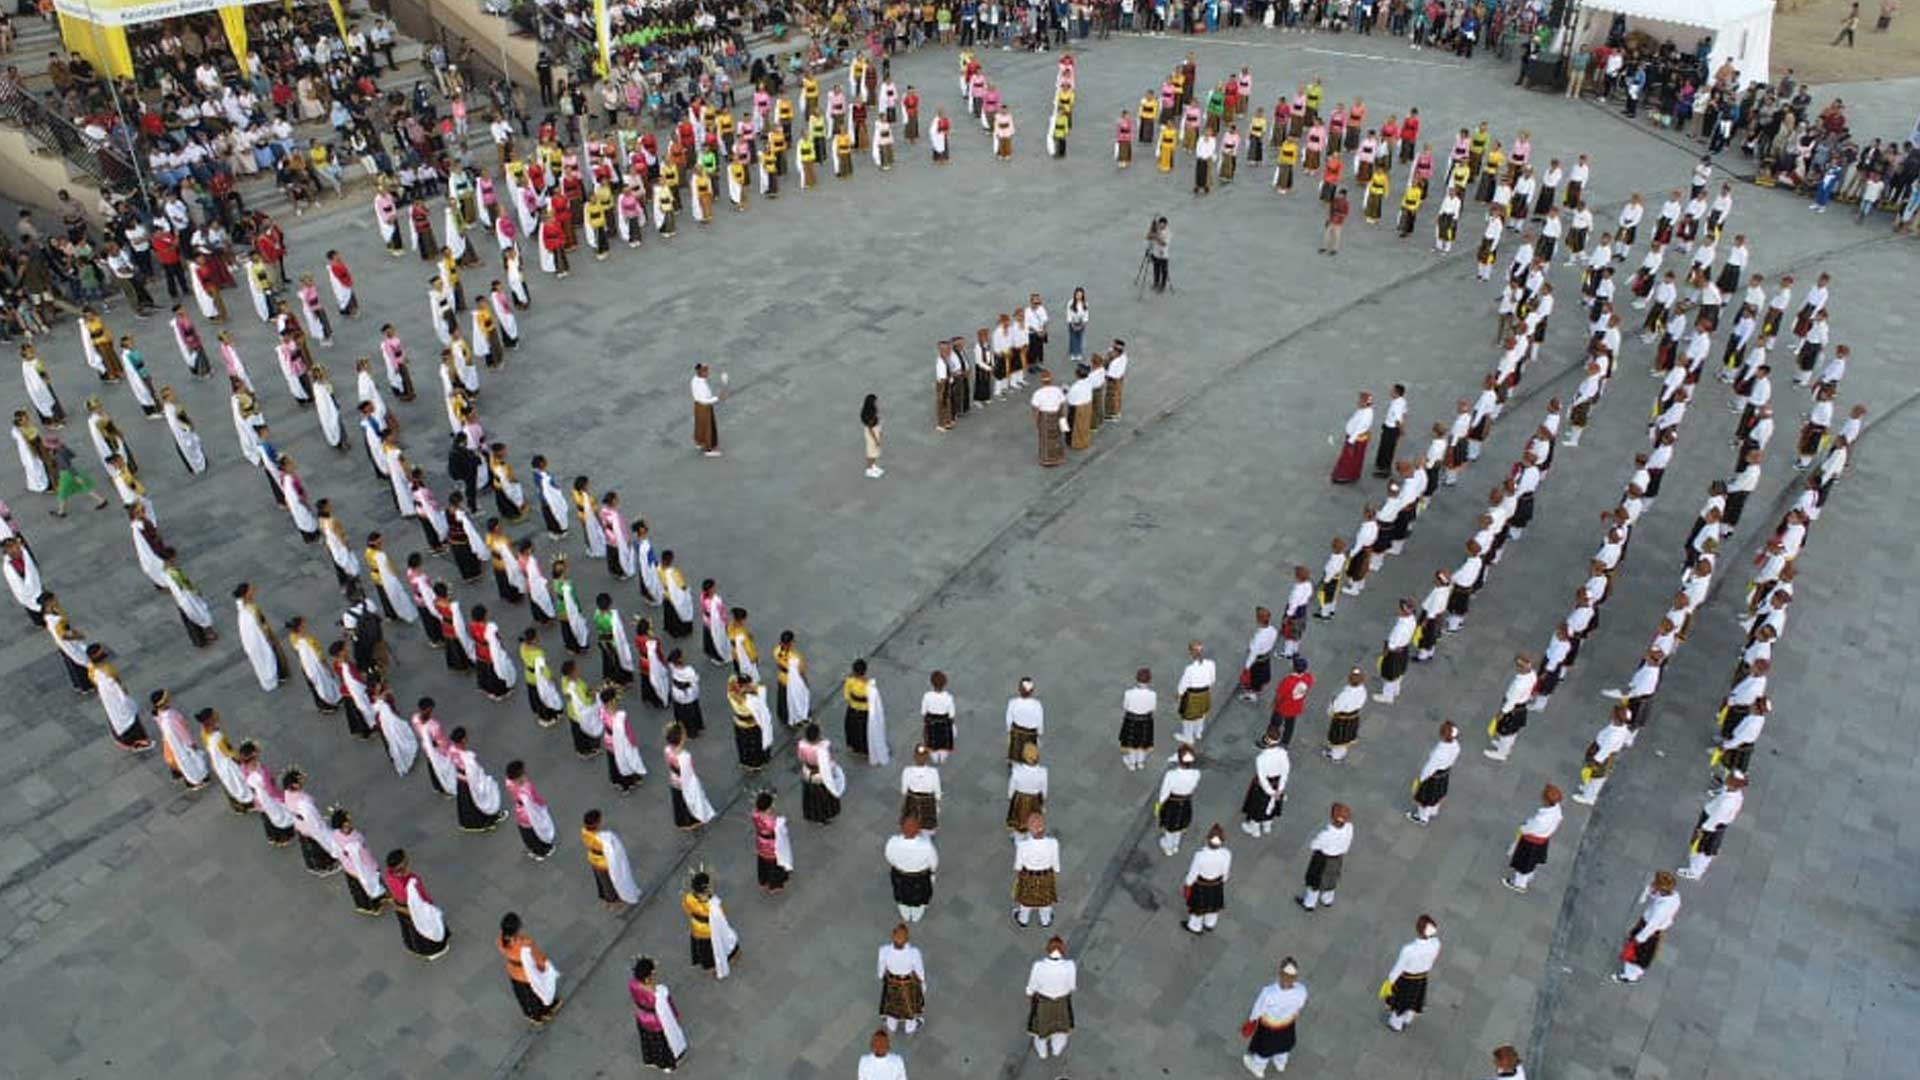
<point>1159,235</point>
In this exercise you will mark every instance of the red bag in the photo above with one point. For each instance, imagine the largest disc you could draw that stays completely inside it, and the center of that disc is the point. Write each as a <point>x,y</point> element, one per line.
<point>1246,1030</point>
<point>1246,678</point>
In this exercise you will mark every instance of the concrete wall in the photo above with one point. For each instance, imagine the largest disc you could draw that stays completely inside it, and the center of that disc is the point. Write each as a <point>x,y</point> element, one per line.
<point>425,20</point>
<point>31,178</point>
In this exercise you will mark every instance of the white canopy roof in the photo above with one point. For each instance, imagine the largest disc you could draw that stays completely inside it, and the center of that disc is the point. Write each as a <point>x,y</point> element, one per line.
<point>1710,14</point>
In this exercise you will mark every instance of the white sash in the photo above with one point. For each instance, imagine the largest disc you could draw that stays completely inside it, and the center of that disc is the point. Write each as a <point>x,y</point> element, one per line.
<point>544,979</point>
<point>691,790</point>
<point>427,919</point>
<point>618,868</point>
<point>876,725</point>
<point>669,1024</point>
<point>724,938</point>
<point>799,697</point>
<point>402,746</point>
<point>782,845</point>
<point>480,784</point>
<point>757,705</point>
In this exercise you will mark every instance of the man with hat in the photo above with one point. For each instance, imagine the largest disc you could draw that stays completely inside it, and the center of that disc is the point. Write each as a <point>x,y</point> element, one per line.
<point>1047,402</point>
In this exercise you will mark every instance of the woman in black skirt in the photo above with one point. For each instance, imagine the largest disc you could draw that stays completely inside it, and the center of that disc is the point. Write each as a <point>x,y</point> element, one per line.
<point>662,1043</point>
<point>318,858</point>
<point>772,849</point>
<point>936,718</point>
<point>517,949</point>
<point>821,778</point>
<point>748,704</point>
<point>1405,987</point>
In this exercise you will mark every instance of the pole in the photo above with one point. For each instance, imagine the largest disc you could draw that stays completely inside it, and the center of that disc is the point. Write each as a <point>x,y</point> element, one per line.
<point>113,92</point>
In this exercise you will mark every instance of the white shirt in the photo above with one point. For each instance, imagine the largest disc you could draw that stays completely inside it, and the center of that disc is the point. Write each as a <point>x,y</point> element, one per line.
<point>901,960</point>
<point>1722,809</point>
<point>1658,915</point>
<point>1048,399</point>
<point>1396,412</point>
<point>1080,392</point>
<point>1117,366</point>
<point>1543,823</point>
<point>1053,978</point>
<point>1333,840</point>
<point>891,1067</point>
<point>920,779</point>
<point>1198,676</point>
<point>1278,1006</point>
<point>1210,864</point>
<point>1350,699</point>
<point>1360,423</point>
<point>1025,779</point>
<point>702,391</point>
<point>1400,635</point>
<point>1416,958</point>
<point>1271,768</point>
<point>1028,713</point>
<point>1036,853</point>
<point>1178,782</point>
<point>912,855</point>
<point>1440,758</point>
<point>1262,642</point>
<point>1139,701</point>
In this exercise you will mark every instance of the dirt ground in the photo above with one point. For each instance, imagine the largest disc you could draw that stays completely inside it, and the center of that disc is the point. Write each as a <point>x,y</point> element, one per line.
<point>1803,32</point>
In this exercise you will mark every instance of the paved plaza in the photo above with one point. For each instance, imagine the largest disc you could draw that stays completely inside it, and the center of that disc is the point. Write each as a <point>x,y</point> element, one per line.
<point>147,933</point>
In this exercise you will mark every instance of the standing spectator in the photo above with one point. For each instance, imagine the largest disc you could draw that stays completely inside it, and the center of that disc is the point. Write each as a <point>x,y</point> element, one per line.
<point>870,431</point>
<point>1337,211</point>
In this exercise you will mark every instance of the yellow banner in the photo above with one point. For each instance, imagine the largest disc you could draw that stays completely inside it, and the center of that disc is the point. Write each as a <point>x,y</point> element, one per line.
<point>603,32</point>
<point>339,17</point>
<point>104,46</point>
<point>234,18</point>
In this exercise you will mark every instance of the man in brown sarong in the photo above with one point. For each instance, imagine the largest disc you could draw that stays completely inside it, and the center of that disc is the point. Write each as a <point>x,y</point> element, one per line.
<point>1047,403</point>
<point>706,426</point>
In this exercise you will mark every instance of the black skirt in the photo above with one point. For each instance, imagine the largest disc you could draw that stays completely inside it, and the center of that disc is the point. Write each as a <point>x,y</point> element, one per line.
<point>417,943</point>
<point>1323,871</point>
<point>584,744</point>
<point>937,732</point>
<point>1176,814</point>
<point>922,807</point>
<point>690,718</point>
<point>1136,732</point>
<point>1393,664</point>
<point>317,858</point>
<point>530,1004</point>
<point>470,816</point>
<point>746,742</point>
<point>772,875</point>
<point>1206,897</point>
<point>276,835</point>
<point>1409,994</point>
<point>1254,806</point>
<point>1510,723</point>
<point>362,903</point>
<point>1344,728</point>
<point>535,846</point>
<point>912,890</point>
<point>1433,790</point>
<point>682,814</point>
<point>1528,855</point>
<point>817,804</point>
<point>654,1049</point>
<point>1268,1042</point>
<point>855,730</point>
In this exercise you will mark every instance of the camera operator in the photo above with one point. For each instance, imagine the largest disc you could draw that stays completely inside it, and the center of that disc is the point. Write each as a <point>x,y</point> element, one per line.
<point>1158,237</point>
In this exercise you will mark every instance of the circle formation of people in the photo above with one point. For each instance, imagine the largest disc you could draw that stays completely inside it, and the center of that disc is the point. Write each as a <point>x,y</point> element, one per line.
<point>563,203</point>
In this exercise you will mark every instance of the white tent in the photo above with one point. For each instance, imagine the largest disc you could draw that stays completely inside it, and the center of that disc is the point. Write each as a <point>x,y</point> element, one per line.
<point>1742,30</point>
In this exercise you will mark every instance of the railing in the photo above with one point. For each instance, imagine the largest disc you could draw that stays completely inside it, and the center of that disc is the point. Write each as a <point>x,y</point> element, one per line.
<point>107,164</point>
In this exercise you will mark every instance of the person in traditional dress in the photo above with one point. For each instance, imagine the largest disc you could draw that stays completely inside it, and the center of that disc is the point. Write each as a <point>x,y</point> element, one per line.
<point>1660,902</point>
<point>1430,784</point>
<point>423,927</point>
<point>531,974</point>
<point>476,794</point>
<point>772,845</point>
<point>657,1017</point>
<point>1051,983</point>
<point>714,944</point>
<point>690,806</point>
<point>1343,716</point>
<point>607,858</point>
<point>1530,844</point>
<point>1267,791</point>
<point>625,767</point>
<point>1353,452</point>
<point>365,884</point>
<point>1716,816</point>
<point>903,983</point>
<point>1195,694</point>
<point>1405,988</point>
<point>1137,706</point>
<point>257,638</point>
<point>706,426</point>
<point>1205,885</point>
<point>912,866</point>
<point>684,694</point>
<point>1328,853</point>
<point>1036,873</point>
<point>823,781</point>
<point>186,761</point>
<point>1270,1027</point>
<point>316,839</point>
<point>530,812</point>
<point>1047,402</point>
<point>752,722</point>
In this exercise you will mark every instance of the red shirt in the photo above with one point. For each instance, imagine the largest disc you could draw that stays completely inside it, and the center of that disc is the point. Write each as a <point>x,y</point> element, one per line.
<point>341,273</point>
<point>270,245</point>
<point>1337,213</point>
<point>1290,700</point>
<point>166,247</point>
<point>553,235</point>
<point>1410,128</point>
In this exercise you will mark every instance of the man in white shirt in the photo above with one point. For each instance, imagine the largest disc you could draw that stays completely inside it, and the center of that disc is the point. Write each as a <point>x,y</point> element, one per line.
<point>1258,668</point>
<point>1047,402</point>
<point>1116,378</point>
<point>1196,694</point>
<point>1715,816</point>
<point>1036,871</point>
<point>882,1063</point>
<point>1390,426</point>
<point>1034,319</point>
<point>706,425</point>
<point>1050,986</point>
<point>912,864</point>
<point>1662,900</point>
<point>1270,1024</point>
<point>903,974</point>
<point>1329,852</point>
<point>1080,409</point>
<point>1530,847</point>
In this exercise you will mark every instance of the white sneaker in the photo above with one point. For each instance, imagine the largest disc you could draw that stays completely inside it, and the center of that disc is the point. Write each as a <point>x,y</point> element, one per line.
<point>1584,800</point>
<point>1493,755</point>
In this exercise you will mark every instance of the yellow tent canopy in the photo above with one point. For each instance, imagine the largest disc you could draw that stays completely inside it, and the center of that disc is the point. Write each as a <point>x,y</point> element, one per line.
<point>97,29</point>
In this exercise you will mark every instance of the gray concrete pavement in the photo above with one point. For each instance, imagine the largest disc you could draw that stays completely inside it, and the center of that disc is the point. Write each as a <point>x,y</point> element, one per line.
<point>151,933</point>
